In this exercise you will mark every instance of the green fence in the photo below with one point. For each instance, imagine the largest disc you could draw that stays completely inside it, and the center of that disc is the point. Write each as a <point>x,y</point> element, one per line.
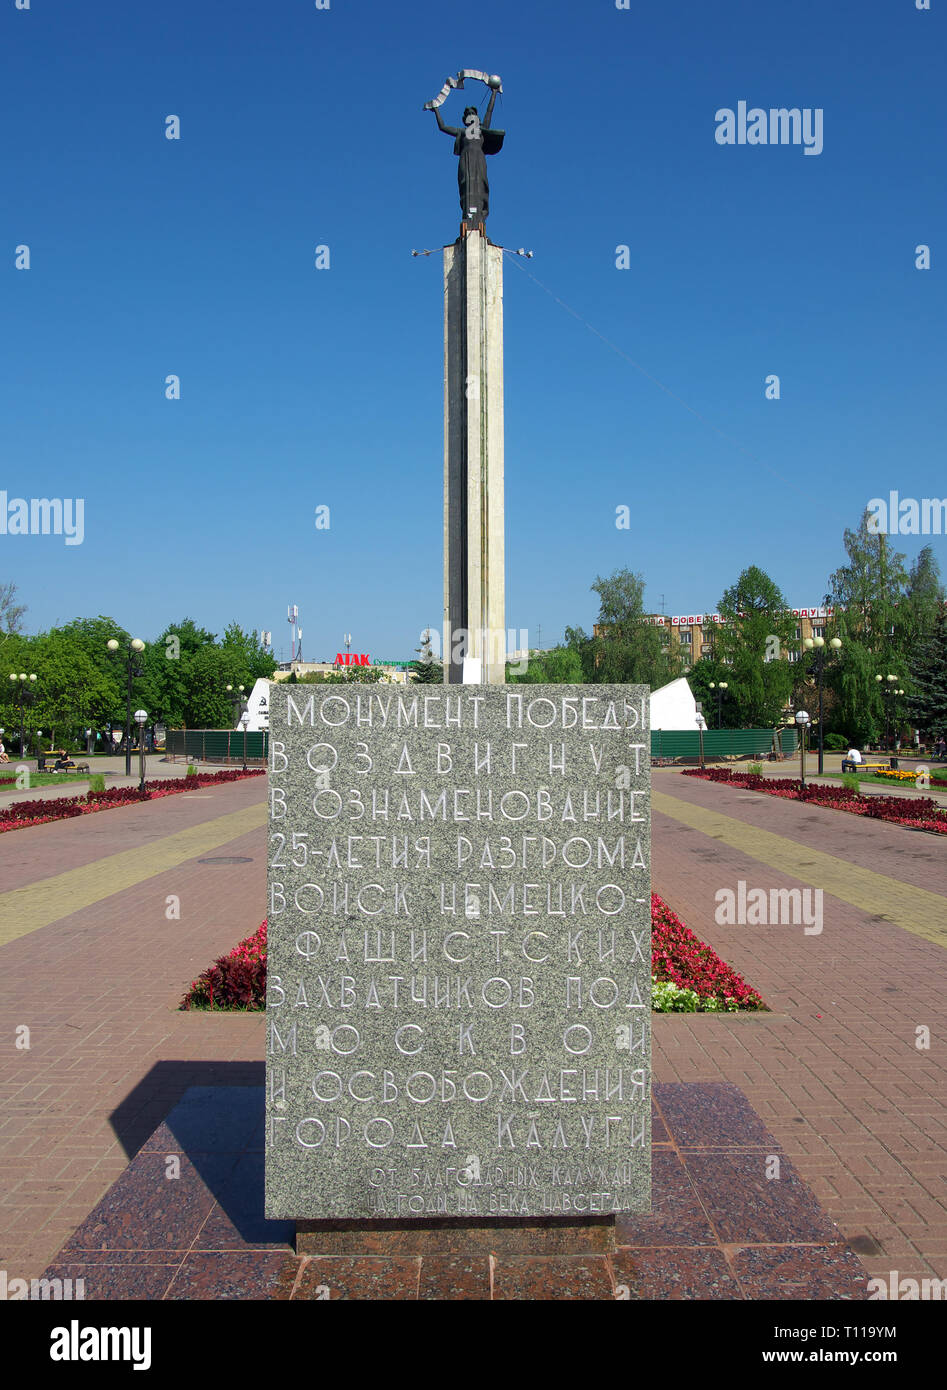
<point>718,743</point>
<point>228,746</point>
<point>217,745</point>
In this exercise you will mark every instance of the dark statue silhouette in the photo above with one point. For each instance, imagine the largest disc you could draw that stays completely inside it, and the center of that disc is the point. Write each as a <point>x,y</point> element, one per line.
<point>472,143</point>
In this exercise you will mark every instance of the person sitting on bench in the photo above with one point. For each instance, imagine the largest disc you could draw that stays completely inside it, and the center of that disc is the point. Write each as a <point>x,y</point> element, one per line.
<point>63,761</point>
<point>851,761</point>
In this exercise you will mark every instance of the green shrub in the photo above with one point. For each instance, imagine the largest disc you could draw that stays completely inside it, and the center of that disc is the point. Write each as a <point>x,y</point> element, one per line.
<point>755,769</point>
<point>97,783</point>
<point>835,743</point>
<point>850,781</point>
<point>668,998</point>
<point>191,770</point>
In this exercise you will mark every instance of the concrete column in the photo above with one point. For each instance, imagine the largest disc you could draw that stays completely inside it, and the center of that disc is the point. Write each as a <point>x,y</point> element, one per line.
<point>474,559</point>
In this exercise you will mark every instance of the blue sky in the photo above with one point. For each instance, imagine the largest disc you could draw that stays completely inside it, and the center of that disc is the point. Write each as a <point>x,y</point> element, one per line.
<point>302,387</point>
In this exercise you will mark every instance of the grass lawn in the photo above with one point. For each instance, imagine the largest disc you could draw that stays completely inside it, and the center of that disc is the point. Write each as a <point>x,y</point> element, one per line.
<point>903,783</point>
<point>42,779</point>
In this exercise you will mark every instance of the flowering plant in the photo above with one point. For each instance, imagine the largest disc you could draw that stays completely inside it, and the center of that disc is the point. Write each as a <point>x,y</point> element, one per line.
<point>918,812</point>
<point>687,976</point>
<point>18,814</point>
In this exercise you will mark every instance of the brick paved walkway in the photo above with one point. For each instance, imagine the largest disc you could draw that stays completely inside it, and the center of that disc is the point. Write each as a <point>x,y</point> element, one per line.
<point>185,1221</point>
<point>833,1071</point>
<point>99,986</point>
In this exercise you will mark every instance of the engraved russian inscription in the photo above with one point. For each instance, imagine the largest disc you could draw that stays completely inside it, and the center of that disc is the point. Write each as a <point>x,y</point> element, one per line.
<point>459,953</point>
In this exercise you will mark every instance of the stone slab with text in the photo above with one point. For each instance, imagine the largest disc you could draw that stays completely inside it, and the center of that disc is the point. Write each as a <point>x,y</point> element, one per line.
<point>459,952</point>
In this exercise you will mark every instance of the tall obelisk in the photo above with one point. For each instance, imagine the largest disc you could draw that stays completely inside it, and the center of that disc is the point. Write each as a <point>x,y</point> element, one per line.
<point>474,647</point>
<point>474,590</point>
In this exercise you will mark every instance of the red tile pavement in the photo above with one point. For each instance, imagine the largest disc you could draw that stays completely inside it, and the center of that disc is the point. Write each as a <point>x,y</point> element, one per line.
<point>99,991</point>
<point>833,1070</point>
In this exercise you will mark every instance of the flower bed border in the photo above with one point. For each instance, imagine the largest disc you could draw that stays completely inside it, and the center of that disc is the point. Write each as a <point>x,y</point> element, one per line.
<point>687,975</point>
<point>16,815</point>
<point>932,817</point>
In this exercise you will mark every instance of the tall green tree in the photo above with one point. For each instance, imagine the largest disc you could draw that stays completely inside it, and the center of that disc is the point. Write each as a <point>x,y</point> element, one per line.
<point>926,706</point>
<point>577,641</point>
<point>754,628</point>
<point>872,619</point>
<point>709,670</point>
<point>628,648</point>
<point>425,670</point>
<point>169,663</point>
<point>11,612</point>
<point>560,665</point>
<point>257,662</point>
<point>924,599</point>
<point>209,671</point>
<point>73,690</point>
<point>87,640</point>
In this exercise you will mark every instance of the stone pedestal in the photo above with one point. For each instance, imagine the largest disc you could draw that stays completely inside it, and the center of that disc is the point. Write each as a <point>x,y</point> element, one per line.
<point>474,588</point>
<point>459,960</point>
<point>589,1236</point>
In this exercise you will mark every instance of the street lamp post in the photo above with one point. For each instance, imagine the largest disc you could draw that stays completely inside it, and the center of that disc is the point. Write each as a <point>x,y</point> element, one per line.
<point>238,701</point>
<point>135,647</point>
<point>802,719</point>
<point>818,645</point>
<point>890,690</point>
<point>141,716</point>
<point>244,721</point>
<point>720,687</point>
<point>237,698</point>
<point>701,722</point>
<point>895,731</point>
<point>24,694</point>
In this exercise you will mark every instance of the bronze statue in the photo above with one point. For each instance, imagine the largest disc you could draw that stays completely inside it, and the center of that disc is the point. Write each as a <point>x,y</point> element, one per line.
<point>472,143</point>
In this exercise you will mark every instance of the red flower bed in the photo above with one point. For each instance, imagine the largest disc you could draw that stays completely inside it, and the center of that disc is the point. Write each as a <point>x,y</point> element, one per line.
<point>22,813</point>
<point>238,980</point>
<point>235,981</point>
<point>919,812</point>
<point>681,957</point>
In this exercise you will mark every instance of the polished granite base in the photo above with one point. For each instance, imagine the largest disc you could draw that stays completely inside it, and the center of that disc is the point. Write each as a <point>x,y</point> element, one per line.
<point>731,1220</point>
<point>448,1236</point>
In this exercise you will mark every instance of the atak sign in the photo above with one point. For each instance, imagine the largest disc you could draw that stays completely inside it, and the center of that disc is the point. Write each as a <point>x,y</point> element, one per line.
<point>352,659</point>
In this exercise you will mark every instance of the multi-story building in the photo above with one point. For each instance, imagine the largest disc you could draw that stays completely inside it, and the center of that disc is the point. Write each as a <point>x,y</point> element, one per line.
<point>692,635</point>
<point>397,673</point>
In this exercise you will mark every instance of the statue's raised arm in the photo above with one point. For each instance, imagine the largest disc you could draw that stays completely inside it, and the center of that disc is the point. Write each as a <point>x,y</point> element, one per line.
<point>447,129</point>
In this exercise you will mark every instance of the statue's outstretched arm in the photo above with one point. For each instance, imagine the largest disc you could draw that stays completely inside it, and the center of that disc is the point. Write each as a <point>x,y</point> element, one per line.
<point>485,123</point>
<point>447,129</point>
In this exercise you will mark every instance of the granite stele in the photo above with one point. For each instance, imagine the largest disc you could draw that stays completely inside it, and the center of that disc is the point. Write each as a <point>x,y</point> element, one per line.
<point>459,952</point>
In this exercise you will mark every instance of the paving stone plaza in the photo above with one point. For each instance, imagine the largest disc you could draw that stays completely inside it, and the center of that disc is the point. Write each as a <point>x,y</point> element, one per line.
<point>578,934</point>
<point>829,1080</point>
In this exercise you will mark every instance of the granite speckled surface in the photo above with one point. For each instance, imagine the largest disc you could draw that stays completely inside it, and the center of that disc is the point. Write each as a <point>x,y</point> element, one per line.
<point>459,948</point>
<point>204,1235</point>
